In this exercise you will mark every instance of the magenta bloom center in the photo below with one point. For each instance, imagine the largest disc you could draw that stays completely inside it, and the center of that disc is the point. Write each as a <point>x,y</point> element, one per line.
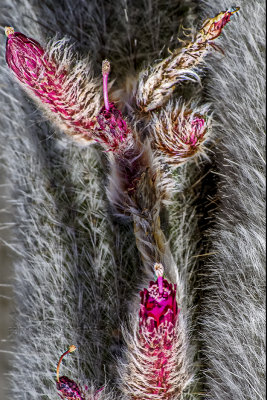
<point>192,131</point>
<point>111,128</point>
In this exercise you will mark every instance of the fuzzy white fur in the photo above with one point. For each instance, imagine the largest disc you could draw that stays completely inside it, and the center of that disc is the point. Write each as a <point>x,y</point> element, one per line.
<point>232,319</point>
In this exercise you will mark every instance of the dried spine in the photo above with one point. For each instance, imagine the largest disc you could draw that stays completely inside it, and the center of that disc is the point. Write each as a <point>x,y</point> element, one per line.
<point>157,83</point>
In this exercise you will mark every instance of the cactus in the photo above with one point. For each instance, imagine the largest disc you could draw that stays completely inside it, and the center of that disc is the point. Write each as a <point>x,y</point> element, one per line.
<point>97,224</point>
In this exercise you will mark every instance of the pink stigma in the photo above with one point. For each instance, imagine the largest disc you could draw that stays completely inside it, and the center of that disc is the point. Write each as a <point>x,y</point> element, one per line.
<point>159,270</point>
<point>160,284</point>
<point>105,73</point>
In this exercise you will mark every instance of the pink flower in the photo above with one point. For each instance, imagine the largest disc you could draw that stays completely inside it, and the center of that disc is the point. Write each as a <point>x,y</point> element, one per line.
<point>57,89</point>
<point>158,311</point>
<point>157,322</point>
<point>48,82</point>
<point>68,388</point>
<point>110,129</point>
<point>27,59</point>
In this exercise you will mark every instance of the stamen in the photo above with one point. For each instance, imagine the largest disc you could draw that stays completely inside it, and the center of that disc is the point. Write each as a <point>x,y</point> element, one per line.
<point>70,350</point>
<point>159,270</point>
<point>9,31</point>
<point>105,73</point>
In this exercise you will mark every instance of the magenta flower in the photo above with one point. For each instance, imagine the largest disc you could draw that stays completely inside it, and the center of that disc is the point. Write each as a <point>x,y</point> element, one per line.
<point>157,322</point>
<point>59,91</point>
<point>110,129</point>
<point>68,388</point>
<point>47,80</point>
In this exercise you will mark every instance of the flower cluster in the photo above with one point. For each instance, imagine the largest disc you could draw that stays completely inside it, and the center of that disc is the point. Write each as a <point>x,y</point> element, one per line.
<point>157,353</point>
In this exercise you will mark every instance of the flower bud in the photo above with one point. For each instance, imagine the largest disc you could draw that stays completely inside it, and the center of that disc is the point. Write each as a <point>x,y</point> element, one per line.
<point>212,27</point>
<point>56,88</point>
<point>25,57</point>
<point>69,389</point>
<point>178,135</point>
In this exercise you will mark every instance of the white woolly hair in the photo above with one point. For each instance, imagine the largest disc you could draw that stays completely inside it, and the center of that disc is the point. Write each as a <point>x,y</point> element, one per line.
<point>233,316</point>
<point>79,86</point>
<point>77,268</point>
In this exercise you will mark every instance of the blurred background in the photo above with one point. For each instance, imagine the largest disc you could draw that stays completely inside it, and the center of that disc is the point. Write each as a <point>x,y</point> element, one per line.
<point>6,276</point>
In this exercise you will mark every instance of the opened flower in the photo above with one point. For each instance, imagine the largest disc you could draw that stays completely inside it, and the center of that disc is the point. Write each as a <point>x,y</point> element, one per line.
<point>157,321</point>
<point>153,368</point>
<point>67,387</point>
